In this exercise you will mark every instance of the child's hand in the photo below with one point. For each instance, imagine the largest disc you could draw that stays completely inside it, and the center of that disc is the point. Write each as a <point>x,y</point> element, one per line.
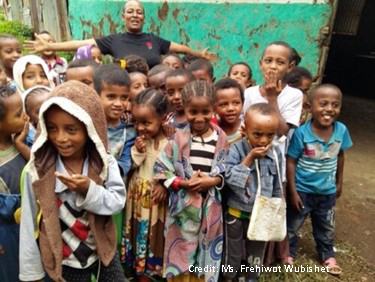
<point>140,144</point>
<point>168,130</point>
<point>76,182</point>
<point>296,202</point>
<point>200,182</point>
<point>272,85</point>
<point>259,152</point>
<point>338,190</point>
<point>20,137</point>
<point>36,46</point>
<point>158,194</point>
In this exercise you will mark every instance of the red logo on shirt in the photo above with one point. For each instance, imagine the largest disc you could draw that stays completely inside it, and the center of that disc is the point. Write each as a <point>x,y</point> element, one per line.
<point>149,45</point>
<point>309,152</point>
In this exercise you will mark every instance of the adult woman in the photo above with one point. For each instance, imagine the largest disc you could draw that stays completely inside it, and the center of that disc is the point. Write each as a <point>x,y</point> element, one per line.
<point>133,41</point>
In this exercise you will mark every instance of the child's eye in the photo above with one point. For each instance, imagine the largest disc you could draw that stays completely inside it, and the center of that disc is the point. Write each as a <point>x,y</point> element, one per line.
<point>71,130</point>
<point>271,135</point>
<point>124,98</point>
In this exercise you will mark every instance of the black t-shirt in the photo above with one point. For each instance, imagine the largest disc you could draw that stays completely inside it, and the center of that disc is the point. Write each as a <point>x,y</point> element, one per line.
<point>145,45</point>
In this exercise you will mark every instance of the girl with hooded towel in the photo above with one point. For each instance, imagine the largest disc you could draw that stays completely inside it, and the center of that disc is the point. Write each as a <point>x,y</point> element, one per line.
<point>72,189</point>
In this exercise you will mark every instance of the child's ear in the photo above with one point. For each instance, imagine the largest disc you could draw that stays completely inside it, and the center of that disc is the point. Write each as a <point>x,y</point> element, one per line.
<point>291,65</point>
<point>308,107</point>
<point>213,79</point>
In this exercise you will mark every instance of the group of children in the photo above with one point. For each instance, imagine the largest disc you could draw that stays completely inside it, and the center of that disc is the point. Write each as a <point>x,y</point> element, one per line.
<point>167,158</point>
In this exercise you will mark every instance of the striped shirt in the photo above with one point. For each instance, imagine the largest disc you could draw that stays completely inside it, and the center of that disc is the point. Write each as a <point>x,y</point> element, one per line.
<point>202,152</point>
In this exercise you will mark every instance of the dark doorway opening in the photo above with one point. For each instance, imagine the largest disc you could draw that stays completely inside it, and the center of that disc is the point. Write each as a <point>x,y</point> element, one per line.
<point>351,59</point>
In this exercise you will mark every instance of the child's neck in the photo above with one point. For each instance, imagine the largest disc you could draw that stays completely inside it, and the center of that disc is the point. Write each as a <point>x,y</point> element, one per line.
<point>205,134</point>
<point>113,122</point>
<point>180,117</point>
<point>50,58</point>
<point>322,131</point>
<point>9,73</point>
<point>5,141</point>
<point>230,128</point>
<point>159,137</point>
<point>73,165</point>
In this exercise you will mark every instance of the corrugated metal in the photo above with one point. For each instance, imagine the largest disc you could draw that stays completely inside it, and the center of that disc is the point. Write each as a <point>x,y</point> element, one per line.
<point>348,17</point>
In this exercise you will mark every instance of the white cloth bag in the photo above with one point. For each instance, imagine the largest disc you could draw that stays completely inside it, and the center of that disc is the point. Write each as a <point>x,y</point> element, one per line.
<point>268,218</point>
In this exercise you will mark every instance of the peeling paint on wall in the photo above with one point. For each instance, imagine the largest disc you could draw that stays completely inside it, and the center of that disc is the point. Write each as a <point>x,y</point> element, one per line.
<point>236,30</point>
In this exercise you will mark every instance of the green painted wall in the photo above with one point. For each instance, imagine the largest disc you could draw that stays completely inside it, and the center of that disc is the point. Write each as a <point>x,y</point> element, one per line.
<point>236,31</point>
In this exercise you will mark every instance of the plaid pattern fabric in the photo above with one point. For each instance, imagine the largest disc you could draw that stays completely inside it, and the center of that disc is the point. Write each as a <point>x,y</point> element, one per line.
<point>79,250</point>
<point>116,141</point>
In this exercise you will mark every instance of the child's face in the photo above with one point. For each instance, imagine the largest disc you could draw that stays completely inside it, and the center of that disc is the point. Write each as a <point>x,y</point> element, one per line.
<point>34,75</point>
<point>305,109</point>
<point>49,39</point>
<point>147,122</point>
<point>260,129</point>
<point>15,118</point>
<point>3,77</point>
<point>158,81</point>
<point>114,100</point>
<point>203,75</point>
<point>66,133</point>
<point>241,74</point>
<point>198,112</point>
<point>96,55</point>
<point>305,85</point>
<point>325,107</point>
<point>275,60</point>
<point>10,52</point>
<point>228,105</point>
<point>138,84</point>
<point>33,107</point>
<point>173,62</point>
<point>83,74</point>
<point>174,85</point>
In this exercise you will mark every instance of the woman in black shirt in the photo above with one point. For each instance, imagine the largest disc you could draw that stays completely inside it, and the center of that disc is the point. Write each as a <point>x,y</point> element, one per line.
<point>133,41</point>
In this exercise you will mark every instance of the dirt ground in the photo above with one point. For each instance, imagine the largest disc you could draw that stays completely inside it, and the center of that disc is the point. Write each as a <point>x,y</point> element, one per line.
<point>355,220</point>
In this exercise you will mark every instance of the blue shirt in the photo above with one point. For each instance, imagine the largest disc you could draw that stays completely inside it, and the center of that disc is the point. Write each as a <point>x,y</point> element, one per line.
<point>317,159</point>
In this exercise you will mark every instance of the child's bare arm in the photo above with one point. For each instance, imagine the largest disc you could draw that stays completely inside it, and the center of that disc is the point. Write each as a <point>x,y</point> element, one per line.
<point>291,174</point>
<point>340,174</point>
<point>179,48</point>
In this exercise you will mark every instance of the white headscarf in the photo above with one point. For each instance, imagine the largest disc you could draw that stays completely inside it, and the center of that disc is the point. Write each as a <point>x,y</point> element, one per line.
<point>20,66</point>
<point>28,91</point>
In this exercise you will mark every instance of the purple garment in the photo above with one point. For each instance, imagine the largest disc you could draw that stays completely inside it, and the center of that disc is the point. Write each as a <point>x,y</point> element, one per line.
<point>83,52</point>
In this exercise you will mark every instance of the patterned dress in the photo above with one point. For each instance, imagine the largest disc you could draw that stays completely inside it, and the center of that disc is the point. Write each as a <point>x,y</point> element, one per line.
<point>143,240</point>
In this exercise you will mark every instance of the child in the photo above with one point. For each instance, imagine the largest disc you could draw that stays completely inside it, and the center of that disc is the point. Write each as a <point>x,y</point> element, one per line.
<point>173,61</point>
<point>242,73</point>
<point>315,172</point>
<point>228,106</point>
<point>133,63</point>
<point>82,70</point>
<point>202,70</point>
<point>261,125</point>
<point>29,71</point>
<point>146,206</point>
<point>33,98</point>
<point>175,81</point>
<point>89,52</point>
<point>190,167</point>
<point>56,65</point>
<point>77,186</point>
<point>156,77</point>
<point>10,52</point>
<point>12,121</point>
<point>188,59</point>
<point>287,102</point>
<point>300,78</point>
<point>138,84</point>
<point>112,83</point>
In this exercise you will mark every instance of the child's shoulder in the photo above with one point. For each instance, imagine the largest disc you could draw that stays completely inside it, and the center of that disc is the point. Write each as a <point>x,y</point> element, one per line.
<point>291,93</point>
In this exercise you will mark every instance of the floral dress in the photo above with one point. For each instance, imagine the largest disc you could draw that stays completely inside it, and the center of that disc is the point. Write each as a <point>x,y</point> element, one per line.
<point>143,240</point>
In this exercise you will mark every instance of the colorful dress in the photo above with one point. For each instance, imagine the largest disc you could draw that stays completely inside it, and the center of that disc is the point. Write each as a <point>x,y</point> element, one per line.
<point>194,224</point>
<point>143,240</point>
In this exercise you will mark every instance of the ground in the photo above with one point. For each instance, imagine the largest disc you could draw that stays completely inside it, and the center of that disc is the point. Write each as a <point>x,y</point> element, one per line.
<point>355,213</point>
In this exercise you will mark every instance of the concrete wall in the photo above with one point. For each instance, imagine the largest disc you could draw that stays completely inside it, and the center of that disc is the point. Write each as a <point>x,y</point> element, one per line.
<point>237,30</point>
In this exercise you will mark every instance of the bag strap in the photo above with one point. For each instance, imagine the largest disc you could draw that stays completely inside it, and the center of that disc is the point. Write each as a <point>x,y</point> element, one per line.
<point>277,167</point>
<point>258,171</point>
<point>258,177</point>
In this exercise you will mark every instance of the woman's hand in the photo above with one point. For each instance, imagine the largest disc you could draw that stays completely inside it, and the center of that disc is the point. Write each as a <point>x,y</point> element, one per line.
<point>36,46</point>
<point>208,55</point>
